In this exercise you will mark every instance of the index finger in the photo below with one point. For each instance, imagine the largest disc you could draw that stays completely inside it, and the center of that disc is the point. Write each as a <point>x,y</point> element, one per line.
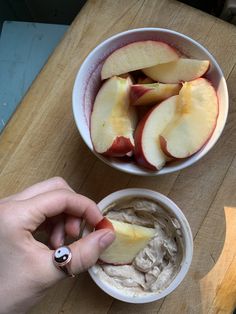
<point>56,202</point>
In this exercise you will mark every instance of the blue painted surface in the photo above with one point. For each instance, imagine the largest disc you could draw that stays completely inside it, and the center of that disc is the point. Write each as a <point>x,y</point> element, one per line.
<point>24,49</point>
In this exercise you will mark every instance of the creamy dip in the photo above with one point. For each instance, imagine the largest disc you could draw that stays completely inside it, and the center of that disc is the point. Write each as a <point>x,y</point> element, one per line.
<point>158,263</point>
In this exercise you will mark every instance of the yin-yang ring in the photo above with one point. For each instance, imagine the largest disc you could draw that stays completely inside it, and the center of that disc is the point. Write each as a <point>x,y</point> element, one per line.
<point>62,259</point>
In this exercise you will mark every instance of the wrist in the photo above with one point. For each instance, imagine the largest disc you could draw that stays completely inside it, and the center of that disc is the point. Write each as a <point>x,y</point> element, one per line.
<point>16,302</point>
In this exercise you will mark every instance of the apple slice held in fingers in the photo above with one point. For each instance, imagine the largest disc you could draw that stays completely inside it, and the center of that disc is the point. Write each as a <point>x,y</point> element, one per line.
<point>104,224</point>
<point>130,240</point>
<point>113,120</point>
<point>137,55</point>
<point>198,112</point>
<point>150,94</point>
<point>181,70</point>
<point>148,152</point>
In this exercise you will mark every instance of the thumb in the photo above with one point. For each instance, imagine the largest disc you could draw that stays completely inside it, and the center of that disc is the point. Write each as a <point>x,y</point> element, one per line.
<point>85,253</point>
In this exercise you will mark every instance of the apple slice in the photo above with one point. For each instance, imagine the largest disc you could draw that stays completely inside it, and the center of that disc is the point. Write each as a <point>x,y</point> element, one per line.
<point>150,94</point>
<point>145,80</point>
<point>104,224</point>
<point>137,55</point>
<point>130,240</point>
<point>180,70</point>
<point>148,152</point>
<point>112,120</point>
<point>128,75</point>
<point>197,120</point>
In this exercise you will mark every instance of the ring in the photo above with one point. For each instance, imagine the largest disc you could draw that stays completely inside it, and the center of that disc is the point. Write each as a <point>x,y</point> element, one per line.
<point>62,260</point>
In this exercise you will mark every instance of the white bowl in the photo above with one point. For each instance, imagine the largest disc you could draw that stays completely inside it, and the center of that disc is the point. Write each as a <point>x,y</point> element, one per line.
<point>174,211</point>
<point>88,81</point>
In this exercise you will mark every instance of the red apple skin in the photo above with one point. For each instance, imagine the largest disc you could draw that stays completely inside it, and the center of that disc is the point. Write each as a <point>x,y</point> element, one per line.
<point>138,150</point>
<point>142,111</point>
<point>140,91</point>
<point>120,147</point>
<point>104,224</point>
<point>164,148</point>
<point>137,91</point>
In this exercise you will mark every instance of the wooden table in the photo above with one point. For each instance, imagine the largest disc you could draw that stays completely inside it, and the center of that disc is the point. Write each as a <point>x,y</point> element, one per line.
<point>41,141</point>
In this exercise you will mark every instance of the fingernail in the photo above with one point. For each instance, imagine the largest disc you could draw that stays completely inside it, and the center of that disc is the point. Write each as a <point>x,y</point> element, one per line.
<point>61,242</point>
<point>106,239</point>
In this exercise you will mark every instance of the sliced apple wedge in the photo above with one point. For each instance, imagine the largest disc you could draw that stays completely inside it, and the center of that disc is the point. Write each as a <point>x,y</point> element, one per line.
<point>128,75</point>
<point>137,55</point>
<point>198,111</point>
<point>150,94</point>
<point>181,70</point>
<point>130,240</point>
<point>148,152</point>
<point>104,224</point>
<point>113,120</point>
<point>145,80</point>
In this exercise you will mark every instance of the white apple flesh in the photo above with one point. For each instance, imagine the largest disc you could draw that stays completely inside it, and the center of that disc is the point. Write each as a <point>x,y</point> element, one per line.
<point>130,240</point>
<point>181,70</point>
<point>137,55</point>
<point>198,112</point>
<point>113,120</point>
<point>150,94</point>
<point>148,152</point>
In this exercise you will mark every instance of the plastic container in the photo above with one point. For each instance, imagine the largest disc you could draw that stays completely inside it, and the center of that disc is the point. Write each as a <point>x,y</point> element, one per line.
<point>174,211</point>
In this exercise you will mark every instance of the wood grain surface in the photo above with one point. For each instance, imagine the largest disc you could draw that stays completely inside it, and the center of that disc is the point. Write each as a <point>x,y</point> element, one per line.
<point>41,141</point>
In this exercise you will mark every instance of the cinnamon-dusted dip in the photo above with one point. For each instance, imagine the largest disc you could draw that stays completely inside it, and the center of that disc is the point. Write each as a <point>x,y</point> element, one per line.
<point>158,263</point>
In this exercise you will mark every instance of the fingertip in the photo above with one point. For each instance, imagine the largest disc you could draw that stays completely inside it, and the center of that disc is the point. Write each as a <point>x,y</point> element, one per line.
<point>107,239</point>
<point>72,226</point>
<point>57,236</point>
<point>55,243</point>
<point>87,250</point>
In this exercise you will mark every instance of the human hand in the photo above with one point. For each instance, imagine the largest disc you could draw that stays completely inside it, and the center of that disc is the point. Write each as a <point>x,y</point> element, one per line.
<point>27,269</point>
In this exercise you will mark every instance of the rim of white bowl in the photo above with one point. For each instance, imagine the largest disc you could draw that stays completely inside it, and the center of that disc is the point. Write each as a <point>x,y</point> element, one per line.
<point>139,170</point>
<point>187,237</point>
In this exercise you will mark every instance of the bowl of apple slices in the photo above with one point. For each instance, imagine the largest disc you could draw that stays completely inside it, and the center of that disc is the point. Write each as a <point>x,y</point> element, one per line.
<point>153,248</point>
<point>150,101</point>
